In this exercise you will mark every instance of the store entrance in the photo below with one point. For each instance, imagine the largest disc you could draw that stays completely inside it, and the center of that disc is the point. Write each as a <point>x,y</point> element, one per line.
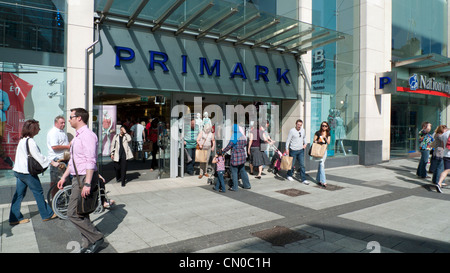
<point>147,116</point>
<point>408,112</point>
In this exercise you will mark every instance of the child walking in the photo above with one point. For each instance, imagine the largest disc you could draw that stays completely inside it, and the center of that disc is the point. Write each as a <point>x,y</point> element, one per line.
<point>219,160</point>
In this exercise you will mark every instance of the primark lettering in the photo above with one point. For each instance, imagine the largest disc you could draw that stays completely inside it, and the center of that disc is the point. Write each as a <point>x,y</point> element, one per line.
<point>160,59</point>
<point>429,84</point>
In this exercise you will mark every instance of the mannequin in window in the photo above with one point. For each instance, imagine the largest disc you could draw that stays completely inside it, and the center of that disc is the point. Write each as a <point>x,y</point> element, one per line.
<point>340,131</point>
<point>199,122</point>
<point>206,119</point>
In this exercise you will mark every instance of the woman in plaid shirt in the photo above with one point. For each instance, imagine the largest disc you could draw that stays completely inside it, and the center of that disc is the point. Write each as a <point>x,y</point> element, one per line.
<point>238,145</point>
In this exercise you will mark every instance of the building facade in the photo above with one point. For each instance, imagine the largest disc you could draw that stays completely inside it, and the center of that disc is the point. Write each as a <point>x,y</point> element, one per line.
<point>321,60</point>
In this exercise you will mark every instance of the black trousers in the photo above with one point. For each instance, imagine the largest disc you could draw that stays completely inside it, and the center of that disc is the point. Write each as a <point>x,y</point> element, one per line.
<point>121,170</point>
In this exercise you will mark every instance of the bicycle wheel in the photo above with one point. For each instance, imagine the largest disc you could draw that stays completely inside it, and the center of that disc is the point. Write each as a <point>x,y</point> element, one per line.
<point>60,202</point>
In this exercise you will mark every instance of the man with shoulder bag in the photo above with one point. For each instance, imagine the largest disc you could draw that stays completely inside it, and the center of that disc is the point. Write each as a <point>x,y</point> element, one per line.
<point>83,166</point>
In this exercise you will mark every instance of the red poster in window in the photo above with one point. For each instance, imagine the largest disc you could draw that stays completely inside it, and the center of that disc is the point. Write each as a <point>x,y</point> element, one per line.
<point>14,91</point>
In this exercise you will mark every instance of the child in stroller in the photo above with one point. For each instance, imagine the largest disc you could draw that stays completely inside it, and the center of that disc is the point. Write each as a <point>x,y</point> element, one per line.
<point>276,160</point>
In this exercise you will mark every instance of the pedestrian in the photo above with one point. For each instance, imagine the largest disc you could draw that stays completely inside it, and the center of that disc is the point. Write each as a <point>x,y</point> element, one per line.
<point>138,136</point>
<point>444,139</point>
<point>25,179</point>
<point>237,145</point>
<point>259,157</point>
<point>295,147</point>
<point>206,141</point>
<point>190,143</point>
<point>153,134</point>
<point>425,140</point>
<point>83,151</point>
<point>120,153</point>
<point>437,159</point>
<point>57,144</point>
<point>322,137</point>
<point>219,160</point>
<point>107,203</point>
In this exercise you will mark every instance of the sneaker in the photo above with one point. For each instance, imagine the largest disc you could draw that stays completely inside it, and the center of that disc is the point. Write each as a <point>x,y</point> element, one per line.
<point>438,188</point>
<point>306,182</point>
<point>290,178</point>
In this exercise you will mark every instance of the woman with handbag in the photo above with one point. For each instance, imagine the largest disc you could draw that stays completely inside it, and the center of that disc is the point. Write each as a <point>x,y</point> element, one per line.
<point>25,179</point>
<point>205,142</point>
<point>120,153</point>
<point>322,137</point>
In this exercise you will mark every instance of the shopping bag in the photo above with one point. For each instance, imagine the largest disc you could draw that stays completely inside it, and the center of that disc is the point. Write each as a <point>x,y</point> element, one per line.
<point>317,150</point>
<point>286,163</point>
<point>200,156</point>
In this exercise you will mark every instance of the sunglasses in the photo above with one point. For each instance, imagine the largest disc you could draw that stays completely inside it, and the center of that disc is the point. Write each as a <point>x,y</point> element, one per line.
<point>324,125</point>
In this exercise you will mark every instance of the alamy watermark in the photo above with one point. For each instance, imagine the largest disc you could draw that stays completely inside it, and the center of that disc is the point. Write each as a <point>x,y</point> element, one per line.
<point>223,120</point>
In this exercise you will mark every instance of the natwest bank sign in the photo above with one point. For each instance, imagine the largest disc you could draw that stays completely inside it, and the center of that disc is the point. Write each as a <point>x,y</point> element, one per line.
<point>427,85</point>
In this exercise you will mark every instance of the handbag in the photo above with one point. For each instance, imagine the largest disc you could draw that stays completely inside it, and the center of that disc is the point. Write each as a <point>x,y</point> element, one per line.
<point>90,203</point>
<point>317,150</point>
<point>200,154</point>
<point>286,163</point>
<point>34,167</point>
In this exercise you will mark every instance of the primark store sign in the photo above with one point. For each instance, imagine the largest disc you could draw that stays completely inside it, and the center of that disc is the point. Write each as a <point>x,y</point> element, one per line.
<point>139,59</point>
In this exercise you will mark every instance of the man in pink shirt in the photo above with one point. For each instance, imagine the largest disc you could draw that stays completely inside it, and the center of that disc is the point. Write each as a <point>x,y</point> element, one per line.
<point>83,151</point>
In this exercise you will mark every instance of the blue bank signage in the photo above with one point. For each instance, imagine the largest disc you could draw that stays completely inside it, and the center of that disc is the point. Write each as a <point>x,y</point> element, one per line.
<point>131,58</point>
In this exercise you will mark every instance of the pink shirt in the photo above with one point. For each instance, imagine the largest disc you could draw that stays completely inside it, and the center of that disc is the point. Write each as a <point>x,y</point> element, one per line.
<point>84,151</point>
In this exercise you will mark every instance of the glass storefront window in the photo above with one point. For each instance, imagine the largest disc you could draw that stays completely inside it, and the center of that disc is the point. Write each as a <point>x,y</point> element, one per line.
<point>408,112</point>
<point>32,74</point>
<point>32,25</point>
<point>335,77</point>
<point>28,92</point>
<point>419,27</point>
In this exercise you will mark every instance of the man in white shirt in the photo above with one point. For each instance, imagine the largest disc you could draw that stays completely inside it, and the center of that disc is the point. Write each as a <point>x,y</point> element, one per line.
<point>138,135</point>
<point>295,147</point>
<point>57,144</point>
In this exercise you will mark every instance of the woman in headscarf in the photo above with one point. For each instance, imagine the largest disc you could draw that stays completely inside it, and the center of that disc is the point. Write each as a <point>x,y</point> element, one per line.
<point>206,141</point>
<point>237,144</point>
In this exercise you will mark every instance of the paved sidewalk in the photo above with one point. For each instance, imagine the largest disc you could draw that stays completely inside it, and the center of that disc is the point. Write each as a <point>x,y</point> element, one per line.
<point>383,208</point>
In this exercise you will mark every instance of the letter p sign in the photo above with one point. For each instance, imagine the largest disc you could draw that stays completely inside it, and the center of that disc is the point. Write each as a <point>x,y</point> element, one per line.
<point>384,81</point>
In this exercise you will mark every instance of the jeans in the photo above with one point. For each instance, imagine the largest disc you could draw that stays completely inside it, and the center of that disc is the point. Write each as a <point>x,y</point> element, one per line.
<point>23,182</point>
<point>235,178</point>
<point>220,182</point>
<point>300,156</point>
<point>321,170</point>
<point>439,168</point>
<point>421,169</point>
